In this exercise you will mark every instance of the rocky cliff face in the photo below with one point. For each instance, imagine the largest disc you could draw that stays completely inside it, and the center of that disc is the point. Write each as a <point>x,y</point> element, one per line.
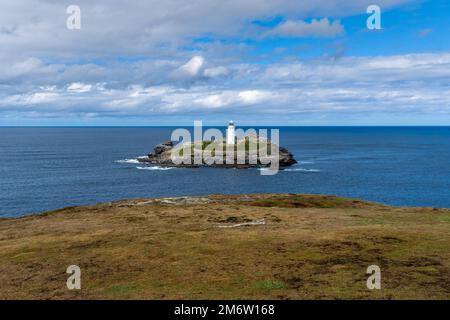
<point>162,155</point>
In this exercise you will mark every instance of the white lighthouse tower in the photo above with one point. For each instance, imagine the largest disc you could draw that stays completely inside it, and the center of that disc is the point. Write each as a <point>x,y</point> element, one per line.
<point>230,133</point>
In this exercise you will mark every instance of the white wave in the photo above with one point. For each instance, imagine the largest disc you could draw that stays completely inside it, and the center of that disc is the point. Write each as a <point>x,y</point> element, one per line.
<point>132,161</point>
<point>306,162</point>
<point>292,169</point>
<point>154,168</point>
<point>302,170</point>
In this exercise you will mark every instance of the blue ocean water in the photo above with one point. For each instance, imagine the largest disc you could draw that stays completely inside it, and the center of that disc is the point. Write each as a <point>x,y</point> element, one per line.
<point>48,168</point>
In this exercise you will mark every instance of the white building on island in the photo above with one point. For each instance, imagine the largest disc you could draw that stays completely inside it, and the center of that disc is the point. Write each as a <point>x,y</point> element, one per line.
<point>231,133</point>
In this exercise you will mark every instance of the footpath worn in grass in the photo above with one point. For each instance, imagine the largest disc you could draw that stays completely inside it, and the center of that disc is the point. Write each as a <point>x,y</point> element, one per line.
<point>310,247</point>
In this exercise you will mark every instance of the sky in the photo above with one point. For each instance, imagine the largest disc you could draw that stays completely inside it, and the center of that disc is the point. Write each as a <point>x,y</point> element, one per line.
<point>286,62</point>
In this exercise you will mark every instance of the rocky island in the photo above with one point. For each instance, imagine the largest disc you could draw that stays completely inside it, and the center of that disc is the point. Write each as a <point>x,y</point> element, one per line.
<point>240,149</point>
<point>162,154</point>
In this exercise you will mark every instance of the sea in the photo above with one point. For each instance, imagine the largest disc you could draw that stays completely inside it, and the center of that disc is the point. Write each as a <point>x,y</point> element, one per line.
<point>45,168</point>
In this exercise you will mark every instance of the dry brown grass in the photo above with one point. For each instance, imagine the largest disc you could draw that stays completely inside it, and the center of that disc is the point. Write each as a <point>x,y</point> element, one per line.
<point>311,247</point>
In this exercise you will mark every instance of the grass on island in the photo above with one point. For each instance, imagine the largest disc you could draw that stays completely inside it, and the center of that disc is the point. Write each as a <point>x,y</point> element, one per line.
<point>245,145</point>
<point>311,247</point>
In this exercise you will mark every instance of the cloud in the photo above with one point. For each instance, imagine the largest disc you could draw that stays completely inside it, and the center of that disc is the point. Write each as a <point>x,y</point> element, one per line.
<point>149,59</point>
<point>351,85</point>
<point>375,70</point>
<point>316,28</point>
<point>79,87</point>
<point>215,100</point>
<point>232,98</point>
<point>13,70</point>
<point>190,68</point>
<point>195,69</point>
<point>216,72</point>
<point>254,96</point>
<point>119,27</point>
<point>32,99</point>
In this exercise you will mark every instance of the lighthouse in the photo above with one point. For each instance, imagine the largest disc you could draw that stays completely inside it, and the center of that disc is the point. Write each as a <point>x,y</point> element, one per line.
<point>230,133</point>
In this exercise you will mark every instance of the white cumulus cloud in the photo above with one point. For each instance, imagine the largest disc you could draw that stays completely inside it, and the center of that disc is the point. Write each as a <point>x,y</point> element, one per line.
<point>316,28</point>
<point>191,68</point>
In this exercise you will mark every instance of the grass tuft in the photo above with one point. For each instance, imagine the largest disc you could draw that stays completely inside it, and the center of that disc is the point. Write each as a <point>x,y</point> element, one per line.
<point>270,285</point>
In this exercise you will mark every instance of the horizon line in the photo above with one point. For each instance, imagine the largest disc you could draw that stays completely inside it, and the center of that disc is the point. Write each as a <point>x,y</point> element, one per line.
<point>191,125</point>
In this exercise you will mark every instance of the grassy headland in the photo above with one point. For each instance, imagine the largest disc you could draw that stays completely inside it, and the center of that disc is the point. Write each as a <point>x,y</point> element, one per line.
<point>310,247</point>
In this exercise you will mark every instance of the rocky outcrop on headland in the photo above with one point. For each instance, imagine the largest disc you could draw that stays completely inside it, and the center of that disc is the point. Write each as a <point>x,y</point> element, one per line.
<point>163,155</point>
